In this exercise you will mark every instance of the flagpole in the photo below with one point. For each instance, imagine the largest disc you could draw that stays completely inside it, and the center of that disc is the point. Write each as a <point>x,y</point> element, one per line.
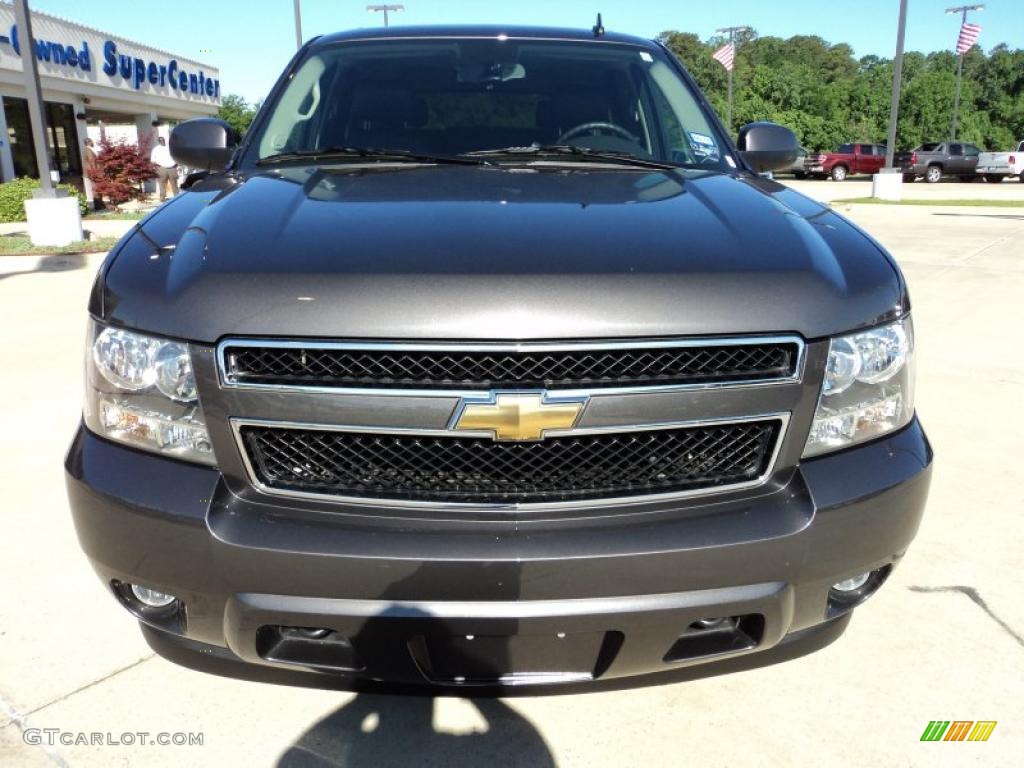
<point>732,44</point>
<point>962,10</point>
<point>956,99</point>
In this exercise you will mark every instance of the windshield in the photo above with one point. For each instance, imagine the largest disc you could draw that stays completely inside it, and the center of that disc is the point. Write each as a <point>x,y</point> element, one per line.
<point>451,97</point>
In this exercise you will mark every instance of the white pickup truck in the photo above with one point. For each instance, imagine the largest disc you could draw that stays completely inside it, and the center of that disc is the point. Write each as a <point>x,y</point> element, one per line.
<point>996,166</point>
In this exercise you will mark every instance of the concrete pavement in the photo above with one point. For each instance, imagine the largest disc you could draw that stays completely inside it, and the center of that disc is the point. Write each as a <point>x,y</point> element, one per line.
<point>943,640</point>
<point>947,189</point>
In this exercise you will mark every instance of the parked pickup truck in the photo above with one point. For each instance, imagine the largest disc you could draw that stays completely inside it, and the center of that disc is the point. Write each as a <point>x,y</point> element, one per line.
<point>848,159</point>
<point>996,166</point>
<point>486,361</point>
<point>935,160</point>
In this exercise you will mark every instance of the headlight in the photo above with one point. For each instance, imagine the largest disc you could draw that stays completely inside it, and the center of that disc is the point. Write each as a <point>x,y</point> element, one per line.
<point>868,388</point>
<point>141,391</point>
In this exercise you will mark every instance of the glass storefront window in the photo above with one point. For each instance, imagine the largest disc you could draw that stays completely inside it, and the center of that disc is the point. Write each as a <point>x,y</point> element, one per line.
<point>19,136</point>
<point>61,134</point>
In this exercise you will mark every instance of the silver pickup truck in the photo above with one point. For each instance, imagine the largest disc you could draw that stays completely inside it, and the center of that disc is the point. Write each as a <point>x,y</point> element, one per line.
<point>996,166</point>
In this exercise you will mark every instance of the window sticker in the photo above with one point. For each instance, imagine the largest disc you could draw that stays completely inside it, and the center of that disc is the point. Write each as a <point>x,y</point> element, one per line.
<point>703,146</point>
<point>645,56</point>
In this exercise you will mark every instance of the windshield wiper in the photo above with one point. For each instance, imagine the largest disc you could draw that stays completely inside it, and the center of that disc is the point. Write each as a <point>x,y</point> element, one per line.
<point>370,153</point>
<point>554,150</point>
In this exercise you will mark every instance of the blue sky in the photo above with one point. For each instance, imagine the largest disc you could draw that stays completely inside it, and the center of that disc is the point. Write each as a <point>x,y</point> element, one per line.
<point>252,40</point>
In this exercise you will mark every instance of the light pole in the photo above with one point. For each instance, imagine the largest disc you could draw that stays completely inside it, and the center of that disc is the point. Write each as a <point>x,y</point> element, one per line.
<point>53,217</point>
<point>962,10</point>
<point>897,80</point>
<point>298,23</point>
<point>36,112</point>
<point>732,45</point>
<point>385,9</point>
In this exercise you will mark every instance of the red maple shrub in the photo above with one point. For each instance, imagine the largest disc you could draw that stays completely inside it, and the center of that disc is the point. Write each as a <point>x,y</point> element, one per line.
<point>120,170</point>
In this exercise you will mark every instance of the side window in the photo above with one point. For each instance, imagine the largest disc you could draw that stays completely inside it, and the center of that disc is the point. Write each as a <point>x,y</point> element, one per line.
<point>672,129</point>
<point>681,119</point>
<point>971,151</point>
<point>956,150</point>
<point>296,108</point>
<point>845,149</point>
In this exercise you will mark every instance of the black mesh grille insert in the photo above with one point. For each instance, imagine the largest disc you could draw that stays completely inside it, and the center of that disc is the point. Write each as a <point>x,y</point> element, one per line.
<point>481,470</point>
<point>474,369</point>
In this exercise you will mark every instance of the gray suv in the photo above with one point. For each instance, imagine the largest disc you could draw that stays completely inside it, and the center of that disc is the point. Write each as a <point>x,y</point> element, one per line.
<point>488,361</point>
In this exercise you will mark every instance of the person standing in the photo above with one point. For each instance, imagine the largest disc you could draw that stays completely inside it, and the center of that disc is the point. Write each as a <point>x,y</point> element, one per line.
<point>89,162</point>
<point>166,168</point>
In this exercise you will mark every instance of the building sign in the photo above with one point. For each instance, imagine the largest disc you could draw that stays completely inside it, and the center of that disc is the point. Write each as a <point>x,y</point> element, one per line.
<point>131,68</point>
<point>49,51</point>
<point>68,50</point>
<point>139,71</point>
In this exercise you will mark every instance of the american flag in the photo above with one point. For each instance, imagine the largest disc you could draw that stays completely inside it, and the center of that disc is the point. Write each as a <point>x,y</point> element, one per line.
<point>968,37</point>
<point>724,55</point>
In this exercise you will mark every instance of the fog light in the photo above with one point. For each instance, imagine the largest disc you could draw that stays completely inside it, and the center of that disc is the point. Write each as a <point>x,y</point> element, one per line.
<point>151,597</point>
<point>721,622</point>
<point>853,583</point>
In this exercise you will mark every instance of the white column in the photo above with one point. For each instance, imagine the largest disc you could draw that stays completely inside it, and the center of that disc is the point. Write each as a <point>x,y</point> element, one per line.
<point>146,137</point>
<point>6,158</point>
<point>83,134</point>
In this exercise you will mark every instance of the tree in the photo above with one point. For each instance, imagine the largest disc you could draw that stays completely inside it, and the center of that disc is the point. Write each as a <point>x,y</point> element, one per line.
<point>236,112</point>
<point>827,97</point>
<point>120,170</point>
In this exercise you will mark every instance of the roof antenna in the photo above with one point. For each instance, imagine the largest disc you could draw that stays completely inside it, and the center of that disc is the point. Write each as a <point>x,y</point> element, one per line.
<point>599,27</point>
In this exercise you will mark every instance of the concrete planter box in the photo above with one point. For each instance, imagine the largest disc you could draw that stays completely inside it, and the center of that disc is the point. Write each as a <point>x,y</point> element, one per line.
<point>53,221</point>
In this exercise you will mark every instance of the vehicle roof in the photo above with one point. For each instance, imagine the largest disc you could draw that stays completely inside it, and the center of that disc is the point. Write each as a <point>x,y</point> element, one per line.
<point>481,31</point>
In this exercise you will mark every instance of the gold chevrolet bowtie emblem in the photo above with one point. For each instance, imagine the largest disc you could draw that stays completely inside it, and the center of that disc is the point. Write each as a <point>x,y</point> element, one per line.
<point>519,416</point>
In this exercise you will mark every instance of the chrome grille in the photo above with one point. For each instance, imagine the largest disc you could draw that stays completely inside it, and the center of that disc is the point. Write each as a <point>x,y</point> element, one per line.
<point>498,366</point>
<point>441,468</point>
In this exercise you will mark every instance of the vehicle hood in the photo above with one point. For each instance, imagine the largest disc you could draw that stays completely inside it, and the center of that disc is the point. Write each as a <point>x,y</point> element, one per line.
<point>467,252</point>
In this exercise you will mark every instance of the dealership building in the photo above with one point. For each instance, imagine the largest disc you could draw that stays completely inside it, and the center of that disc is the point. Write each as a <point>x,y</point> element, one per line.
<point>92,81</point>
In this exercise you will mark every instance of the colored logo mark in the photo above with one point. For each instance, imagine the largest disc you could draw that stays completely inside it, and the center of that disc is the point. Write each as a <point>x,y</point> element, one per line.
<point>958,730</point>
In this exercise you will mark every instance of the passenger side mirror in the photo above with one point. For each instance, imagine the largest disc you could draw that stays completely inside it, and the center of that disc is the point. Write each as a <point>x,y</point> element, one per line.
<point>767,146</point>
<point>203,143</point>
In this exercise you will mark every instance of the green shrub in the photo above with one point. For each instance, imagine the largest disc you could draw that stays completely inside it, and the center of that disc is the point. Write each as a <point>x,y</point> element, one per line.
<point>13,195</point>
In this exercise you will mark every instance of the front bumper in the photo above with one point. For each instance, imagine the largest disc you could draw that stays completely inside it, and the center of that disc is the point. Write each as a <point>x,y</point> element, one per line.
<point>543,605</point>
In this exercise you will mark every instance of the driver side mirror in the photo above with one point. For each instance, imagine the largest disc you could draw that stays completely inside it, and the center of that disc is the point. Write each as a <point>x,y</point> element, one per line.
<point>203,143</point>
<point>767,146</point>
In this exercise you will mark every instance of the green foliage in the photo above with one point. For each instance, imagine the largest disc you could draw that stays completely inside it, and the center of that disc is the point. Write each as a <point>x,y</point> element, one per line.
<point>237,112</point>
<point>14,193</point>
<point>21,245</point>
<point>826,96</point>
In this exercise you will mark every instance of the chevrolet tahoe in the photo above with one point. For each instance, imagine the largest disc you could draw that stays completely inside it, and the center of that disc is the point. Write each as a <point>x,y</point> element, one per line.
<point>487,361</point>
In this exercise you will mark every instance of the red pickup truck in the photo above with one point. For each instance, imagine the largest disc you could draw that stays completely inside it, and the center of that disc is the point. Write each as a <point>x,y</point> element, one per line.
<point>848,159</point>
